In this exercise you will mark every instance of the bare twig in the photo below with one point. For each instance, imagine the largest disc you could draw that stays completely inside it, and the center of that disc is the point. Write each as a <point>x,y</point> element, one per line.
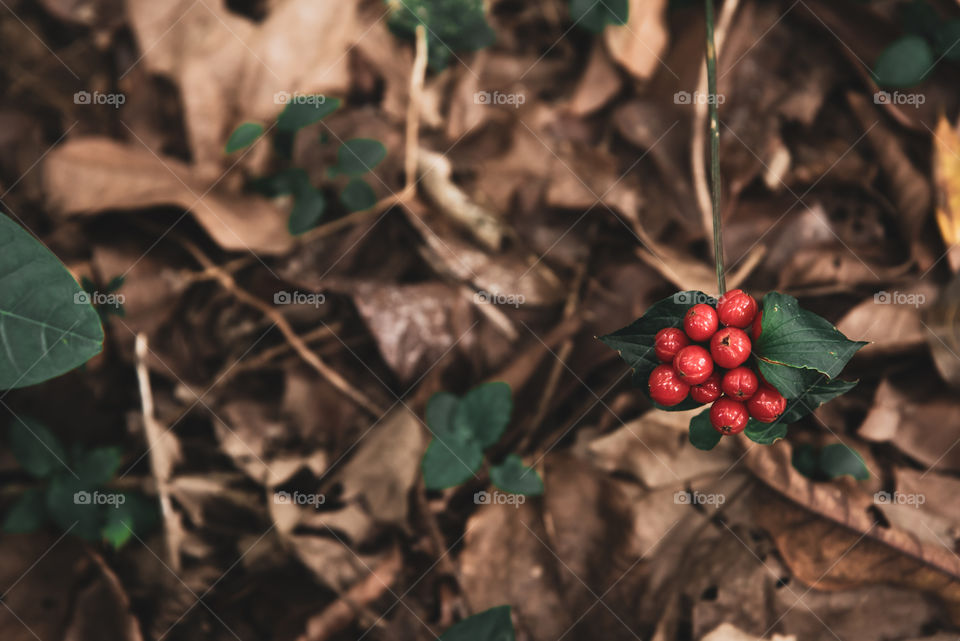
<point>413,108</point>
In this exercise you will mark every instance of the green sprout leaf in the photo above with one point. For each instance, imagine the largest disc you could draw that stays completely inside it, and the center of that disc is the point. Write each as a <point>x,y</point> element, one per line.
<point>243,136</point>
<point>27,514</point>
<point>451,25</point>
<point>47,325</point>
<point>594,16</point>
<point>358,156</point>
<point>450,460</point>
<point>358,195</point>
<point>98,466</point>
<point>515,477</point>
<point>490,625</point>
<point>134,514</point>
<point>302,111</point>
<point>838,460</point>
<point>635,341</point>
<point>307,211</point>
<point>70,504</point>
<point>36,448</point>
<point>440,411</point>
<point>484,413</point>
<point>904,63</point>
<point>702,434</point>
<point>798,338</point>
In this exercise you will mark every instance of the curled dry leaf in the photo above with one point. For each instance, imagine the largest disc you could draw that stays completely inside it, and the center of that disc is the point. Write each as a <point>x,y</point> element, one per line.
<point>638,45</point>
<point>92,175</point>
<point>889,328</point>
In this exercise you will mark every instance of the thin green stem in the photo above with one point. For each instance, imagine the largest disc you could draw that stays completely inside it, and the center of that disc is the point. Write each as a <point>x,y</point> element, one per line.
<point>714,149</point>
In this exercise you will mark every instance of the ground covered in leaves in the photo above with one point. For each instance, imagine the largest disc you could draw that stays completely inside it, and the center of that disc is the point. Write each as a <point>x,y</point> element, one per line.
<point>265,392</point>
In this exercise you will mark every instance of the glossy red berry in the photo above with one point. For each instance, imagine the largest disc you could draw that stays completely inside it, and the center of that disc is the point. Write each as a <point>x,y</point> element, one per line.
<point>666,388</point>
<point>668,342</point>
<point>756,328</point>
<point>728,416</point>
<point>740,383</point>
<point>737,308</point>
<point>767,404</point>
<point>730,347</point>
<point>707,391</point>
<point>693,364</point>
<point>700,322</point>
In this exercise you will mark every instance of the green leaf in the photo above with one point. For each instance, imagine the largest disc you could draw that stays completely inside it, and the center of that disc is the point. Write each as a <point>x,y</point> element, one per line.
<point>484,413</point>
<point>821,391</point>
<point>440,411</point>
<point>515,477</point>
<point>98,466</point>
<point>451,25</point>
<point>450,460</point>
<point>36,448</point>
<point>702,434</point>
<point>302,111</point>
<point>70,504</point>
<point>946,40</point>
<point>243,136</point>
<point>135,515</point>
<point>837,460</point>
<point>799,338</point>
<point>359,156</point>
<point>47,325</point>
<point>805,461</point>
<point>307,211</point>
<point>635,341</point>
<point>904,63</point>
<point>594,16</point>
<point>27,514</point>
<point>292,180</point>
<point>765,433</point>
<point>490,625</point>
<point>358,195</point>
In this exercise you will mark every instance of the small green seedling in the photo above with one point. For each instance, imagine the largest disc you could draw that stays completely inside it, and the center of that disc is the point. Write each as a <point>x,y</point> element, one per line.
<point>71,491</point>
<point>463,428</point>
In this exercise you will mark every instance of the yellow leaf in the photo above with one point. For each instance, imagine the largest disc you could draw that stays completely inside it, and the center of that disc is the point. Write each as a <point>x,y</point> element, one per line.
<point>946,163</point>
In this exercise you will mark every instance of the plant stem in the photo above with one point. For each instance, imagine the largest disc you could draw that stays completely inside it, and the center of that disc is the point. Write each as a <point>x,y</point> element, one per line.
<point>714,148</point>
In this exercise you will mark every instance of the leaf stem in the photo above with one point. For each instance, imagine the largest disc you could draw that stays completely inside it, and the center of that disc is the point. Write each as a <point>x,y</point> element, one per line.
<point>714,148</point>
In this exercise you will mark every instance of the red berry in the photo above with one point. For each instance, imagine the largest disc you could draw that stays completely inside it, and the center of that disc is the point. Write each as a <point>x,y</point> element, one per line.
<point>767,404</point>
<point>757,329</point>
<point>739,383</point>
<point>693,364</point>
<point>668,342</point>
<point>737,308</point>
<point>707,391</point>
<point>666,388</point>
<point>728,416</point>
<point>700,322</point>
<point>730,347</point>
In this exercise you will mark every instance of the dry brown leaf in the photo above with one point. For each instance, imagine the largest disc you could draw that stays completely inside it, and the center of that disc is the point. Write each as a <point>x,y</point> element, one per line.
<point>638,45</point>
<point>91,175</point>
<point>600,82</point>
<point>943,331</point>
<point>890,327</point>
<point>727,632</point>
<point>946,166</point>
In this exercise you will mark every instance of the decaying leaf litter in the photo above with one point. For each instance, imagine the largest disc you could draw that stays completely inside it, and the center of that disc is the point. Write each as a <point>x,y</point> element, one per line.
<point>506,236</point>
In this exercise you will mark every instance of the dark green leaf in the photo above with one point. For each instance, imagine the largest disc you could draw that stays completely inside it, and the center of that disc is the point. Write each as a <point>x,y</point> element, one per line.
<point>307,211</point>
<point>799,338</point>
<point>47,325</point>
<point>805,461</point>
<point>72,506</point>
<point>904,63</point>
<point>450,460</point>
<point>358,195</point>
<point>515,477</point>
<point>98,466</point>
<point>36,448</point>
<point>27,514</point>
<point>837,460</point>
<point>821,391</point>
<point>451,25</point>
<point>293,180</point>
<point>484,413</point>
<point>302,111</point>
<point>490,625</point>
<point>116,283</point>
<point>440,411</point>
<point>594,15</point>
<point>243,136</point>
<point>765,433</point>
<point>702,434</point>
<point>134,515</point>
<point>359,156</point>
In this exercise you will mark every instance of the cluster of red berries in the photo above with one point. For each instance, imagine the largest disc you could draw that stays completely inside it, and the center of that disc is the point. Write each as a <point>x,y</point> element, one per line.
<point>719,375</point>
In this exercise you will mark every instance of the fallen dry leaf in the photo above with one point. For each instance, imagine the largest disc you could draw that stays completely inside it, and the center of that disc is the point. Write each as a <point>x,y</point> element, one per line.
<point>638,44</point>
